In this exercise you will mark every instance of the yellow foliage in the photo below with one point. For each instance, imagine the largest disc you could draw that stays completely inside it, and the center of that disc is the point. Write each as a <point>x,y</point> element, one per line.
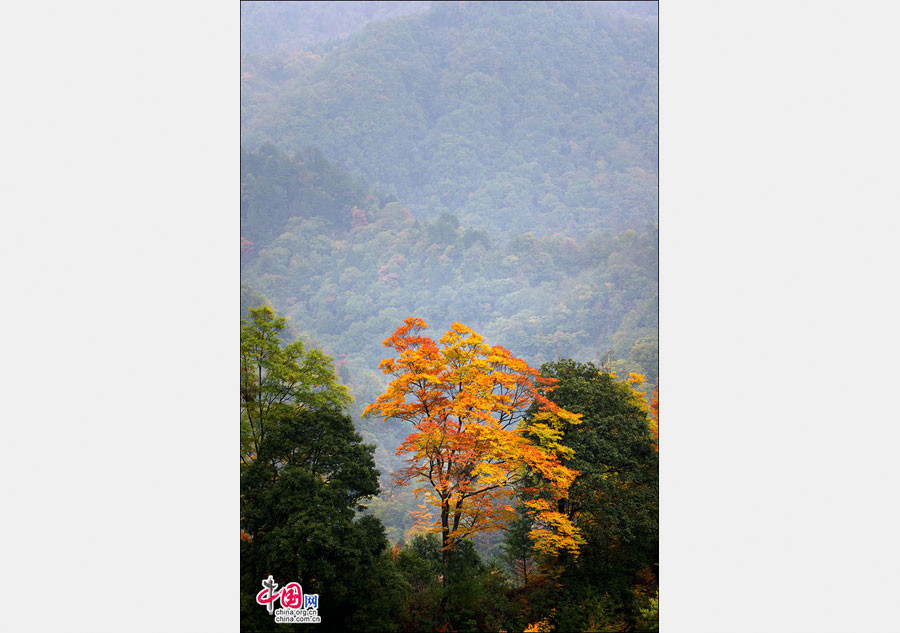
<point>466,402</point>
<point>541,626</point>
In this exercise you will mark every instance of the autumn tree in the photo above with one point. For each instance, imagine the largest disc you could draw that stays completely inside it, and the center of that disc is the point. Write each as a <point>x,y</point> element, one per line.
<point>466,402</point>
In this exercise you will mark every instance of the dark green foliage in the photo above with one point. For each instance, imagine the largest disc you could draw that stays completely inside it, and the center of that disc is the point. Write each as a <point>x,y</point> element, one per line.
<point>421,569</point>
<point>305,474</point>
<point>614,500</point>
<point>476,595</point>
<point>518,549</point>
<point>298,502</point>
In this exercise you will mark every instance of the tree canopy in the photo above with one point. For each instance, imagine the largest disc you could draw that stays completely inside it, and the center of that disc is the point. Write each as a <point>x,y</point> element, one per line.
<point>278,380</point>
<point>614,501</point>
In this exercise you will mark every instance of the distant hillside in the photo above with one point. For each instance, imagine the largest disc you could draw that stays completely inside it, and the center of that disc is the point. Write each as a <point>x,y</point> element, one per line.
<point>276,187</point>
<point>287,27</point>
<point>513,117</point>
<point>348,265</point>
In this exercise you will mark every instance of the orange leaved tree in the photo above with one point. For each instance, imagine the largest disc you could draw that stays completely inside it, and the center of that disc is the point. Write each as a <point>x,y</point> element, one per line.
<point>466,402</point>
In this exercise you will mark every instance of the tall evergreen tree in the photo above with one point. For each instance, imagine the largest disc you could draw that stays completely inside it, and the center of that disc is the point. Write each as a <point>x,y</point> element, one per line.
<point>614,501</point>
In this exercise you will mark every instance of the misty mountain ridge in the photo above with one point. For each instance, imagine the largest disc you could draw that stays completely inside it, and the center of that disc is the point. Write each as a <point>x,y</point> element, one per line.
<point>514,117</point>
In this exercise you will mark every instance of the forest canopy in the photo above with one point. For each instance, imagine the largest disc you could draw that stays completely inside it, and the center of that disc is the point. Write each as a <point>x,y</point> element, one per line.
<point>512,116</point>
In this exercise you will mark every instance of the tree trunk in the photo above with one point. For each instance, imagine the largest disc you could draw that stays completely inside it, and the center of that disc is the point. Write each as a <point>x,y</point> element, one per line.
<point>445,553</point>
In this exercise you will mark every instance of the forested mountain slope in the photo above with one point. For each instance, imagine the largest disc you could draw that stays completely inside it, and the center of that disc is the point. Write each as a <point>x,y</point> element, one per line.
<point>288,27</point>
<point>488,163</point>
<point>514,117</point>
<point>347,266</point>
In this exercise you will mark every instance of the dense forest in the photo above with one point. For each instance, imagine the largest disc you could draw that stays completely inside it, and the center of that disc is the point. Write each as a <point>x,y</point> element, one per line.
<point>407,168</point>
<point>513,117</point>
<point>279,27</point>
<point>561,462</point>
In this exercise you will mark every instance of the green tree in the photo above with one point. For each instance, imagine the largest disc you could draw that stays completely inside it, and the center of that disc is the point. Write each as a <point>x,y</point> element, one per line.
<point>475,596</point>
<point>298,501</point>
<point>420,562</point>
<point>278,380</point>
<point>305,475</point>
<point>615,498</point>
<point>518,548</point>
